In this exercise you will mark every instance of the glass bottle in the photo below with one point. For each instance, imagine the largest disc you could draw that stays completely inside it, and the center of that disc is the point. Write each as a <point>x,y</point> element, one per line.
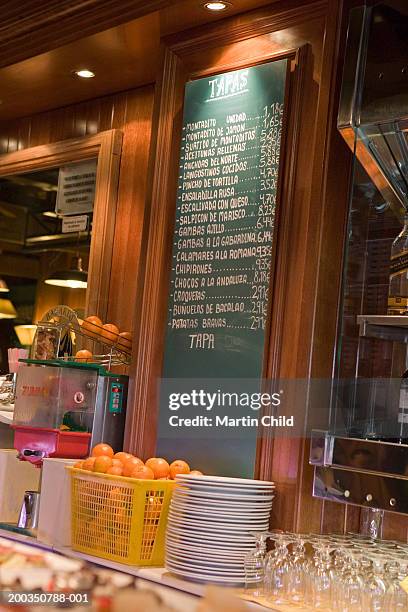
<point>398,288</point>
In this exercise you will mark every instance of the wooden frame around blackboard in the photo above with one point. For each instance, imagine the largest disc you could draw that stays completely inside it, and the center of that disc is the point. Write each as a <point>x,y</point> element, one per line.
<point>150,324</point>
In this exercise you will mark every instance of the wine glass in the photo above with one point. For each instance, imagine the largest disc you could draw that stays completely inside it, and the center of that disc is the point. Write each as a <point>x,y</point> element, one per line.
<point>320,586</point>
<point>397,570</point>
<point>375,589</point>
<point>254,565</point>
<point>277,568</point>
<point>297,569</point>
<point>352,583</point>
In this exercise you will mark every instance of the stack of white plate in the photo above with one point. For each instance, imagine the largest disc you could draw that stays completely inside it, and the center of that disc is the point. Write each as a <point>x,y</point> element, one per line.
<point>210,525</point>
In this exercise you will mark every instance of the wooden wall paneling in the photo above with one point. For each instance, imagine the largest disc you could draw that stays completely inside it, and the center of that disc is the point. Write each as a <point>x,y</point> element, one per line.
<point>86,118</point>
<point>321,278</point>
<point>118,116</point>
<point>40,129</point>
<point>352,519</point>
<point>23,133</point>
<point>152,301</point>
<point>277,458</point>
<point>130,209</point>
<point>30,28</point>
<point>230,44</point>
<point>395,527</point>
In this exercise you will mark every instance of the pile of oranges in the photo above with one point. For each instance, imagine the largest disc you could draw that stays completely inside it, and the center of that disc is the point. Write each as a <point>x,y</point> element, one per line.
<point>104,460</point>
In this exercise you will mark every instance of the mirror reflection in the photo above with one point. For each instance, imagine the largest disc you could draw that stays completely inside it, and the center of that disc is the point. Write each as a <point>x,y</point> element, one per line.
<point>45,237</point>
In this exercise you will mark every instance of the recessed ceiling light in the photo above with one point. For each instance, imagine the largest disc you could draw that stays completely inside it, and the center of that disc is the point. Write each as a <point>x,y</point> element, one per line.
<point>216,6</point>
<point>84,74</point>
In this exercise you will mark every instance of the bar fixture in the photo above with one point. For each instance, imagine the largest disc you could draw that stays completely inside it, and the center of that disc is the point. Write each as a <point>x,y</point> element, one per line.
<point>84,73</point>
<point>3,286</point>
<point>7,310</point>
<point>75,278</point>
<point>216,6</point>
<point>25,334</point>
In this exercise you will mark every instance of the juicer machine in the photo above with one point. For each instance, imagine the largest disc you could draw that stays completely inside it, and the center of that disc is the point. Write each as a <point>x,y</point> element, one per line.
<point>63,408</point>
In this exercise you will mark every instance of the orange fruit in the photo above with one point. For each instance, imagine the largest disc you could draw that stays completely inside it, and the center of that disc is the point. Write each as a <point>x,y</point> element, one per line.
<point>78,465</point>
<point>102,464</point>
<point>130,465</point>
<point>160,467</point>
<point>110,332</point>
<point>102,450</point>
<point>115,470</point>
<point>123,457</point>
<point>117,495</point>
<point>117,463</point>
<point>125,338</point>
<point>179,467</point>
<point>89,464</point>
<point>142,472</point>
<point>83,356</point>
<point>196,473</point>
<point>93,325</point>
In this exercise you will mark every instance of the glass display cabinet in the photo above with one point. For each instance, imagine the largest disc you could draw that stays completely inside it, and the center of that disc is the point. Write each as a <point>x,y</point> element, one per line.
<point>363,457</point>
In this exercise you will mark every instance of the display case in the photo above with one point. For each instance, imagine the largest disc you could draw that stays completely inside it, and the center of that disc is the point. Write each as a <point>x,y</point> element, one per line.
<point>363,456</point>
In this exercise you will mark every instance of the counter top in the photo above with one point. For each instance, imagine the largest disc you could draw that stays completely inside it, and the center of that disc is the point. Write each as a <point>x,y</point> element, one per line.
<point>178,593</point>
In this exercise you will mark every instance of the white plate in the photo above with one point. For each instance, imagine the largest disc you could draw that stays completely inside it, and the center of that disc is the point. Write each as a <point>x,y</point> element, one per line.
<point>209,519</point>
<point>216,529</point>
<point>184,492</point>
<point>231,493</point>
<point>219,565</point>
<point>222,505</point>
<point>224,554</point>
<point>225,480</point>
<point>230,519</point>
<point>208,549</point>
<point>232,572</point>
<point>199,483</point>
<point>204,537</point>
<point>211,526</point>
<point>222,561</point>
<point>215,544</point>
<point>196,508</point>
<point>196,577</point>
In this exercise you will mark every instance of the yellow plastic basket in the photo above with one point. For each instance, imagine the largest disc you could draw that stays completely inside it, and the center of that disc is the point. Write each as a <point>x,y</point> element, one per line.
<point>118,518</point>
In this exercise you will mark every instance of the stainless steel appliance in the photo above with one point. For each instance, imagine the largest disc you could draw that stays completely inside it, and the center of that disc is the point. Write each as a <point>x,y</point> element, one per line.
<point>29,512</point>
<point>64,408</point>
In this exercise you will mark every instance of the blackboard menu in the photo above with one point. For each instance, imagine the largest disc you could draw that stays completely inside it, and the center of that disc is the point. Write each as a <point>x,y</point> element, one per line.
<point>224,231</point>
<point>224,226</point>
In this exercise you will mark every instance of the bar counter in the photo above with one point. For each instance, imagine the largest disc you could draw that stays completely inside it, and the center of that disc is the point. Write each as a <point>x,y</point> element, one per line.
<point>182,595</point>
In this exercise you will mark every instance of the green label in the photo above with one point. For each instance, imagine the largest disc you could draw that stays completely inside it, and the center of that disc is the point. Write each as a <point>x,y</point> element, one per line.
<point>116,398</point>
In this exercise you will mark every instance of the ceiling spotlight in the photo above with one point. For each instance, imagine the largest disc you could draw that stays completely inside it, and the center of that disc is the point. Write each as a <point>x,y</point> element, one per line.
<point>216,6</point>
<point>84,73</point>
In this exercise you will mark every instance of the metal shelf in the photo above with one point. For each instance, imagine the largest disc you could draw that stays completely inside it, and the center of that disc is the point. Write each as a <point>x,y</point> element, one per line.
<point>384,327</point>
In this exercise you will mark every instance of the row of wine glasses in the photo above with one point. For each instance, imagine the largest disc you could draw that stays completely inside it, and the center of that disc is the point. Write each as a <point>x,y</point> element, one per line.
<point>346,573</point>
